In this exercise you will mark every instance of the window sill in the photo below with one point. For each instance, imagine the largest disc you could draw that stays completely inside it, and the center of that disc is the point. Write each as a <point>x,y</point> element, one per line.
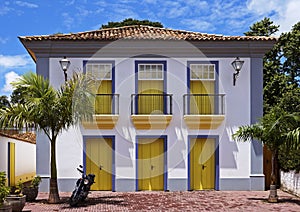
<point>148,122</point>
<point>105,121</point>
<point>203,121</point>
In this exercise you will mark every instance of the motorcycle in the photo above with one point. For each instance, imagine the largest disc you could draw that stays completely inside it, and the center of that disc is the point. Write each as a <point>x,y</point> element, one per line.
<point>82,187</point>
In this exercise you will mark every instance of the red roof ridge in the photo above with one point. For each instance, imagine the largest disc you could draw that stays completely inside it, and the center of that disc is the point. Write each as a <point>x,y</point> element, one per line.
<point>141,32</point>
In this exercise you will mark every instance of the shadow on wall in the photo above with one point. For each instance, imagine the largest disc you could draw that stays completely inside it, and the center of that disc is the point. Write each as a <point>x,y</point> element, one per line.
<point>229,150</point>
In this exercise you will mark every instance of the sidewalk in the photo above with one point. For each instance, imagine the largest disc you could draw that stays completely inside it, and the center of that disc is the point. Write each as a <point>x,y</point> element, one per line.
<point>172,201</point>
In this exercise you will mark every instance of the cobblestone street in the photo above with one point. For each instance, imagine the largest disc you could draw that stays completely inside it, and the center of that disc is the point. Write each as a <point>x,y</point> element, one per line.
<point>172,201</point>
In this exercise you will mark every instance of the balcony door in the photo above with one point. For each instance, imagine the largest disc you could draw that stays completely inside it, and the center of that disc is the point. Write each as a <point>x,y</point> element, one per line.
<point>103,74</point>
<point>202,88</point>
<point>150,88</point>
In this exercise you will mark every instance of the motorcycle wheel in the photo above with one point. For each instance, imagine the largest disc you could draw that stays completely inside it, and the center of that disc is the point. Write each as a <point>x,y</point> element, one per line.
<point>74,199</point>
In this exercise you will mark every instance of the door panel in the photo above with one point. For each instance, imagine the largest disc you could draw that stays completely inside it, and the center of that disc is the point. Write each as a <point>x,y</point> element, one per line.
<point>99,154</point>
<point>151,164</point>
<point>202,164</point>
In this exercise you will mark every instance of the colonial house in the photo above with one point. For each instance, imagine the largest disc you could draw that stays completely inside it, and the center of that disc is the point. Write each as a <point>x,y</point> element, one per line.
<point>166,106</point>
<point>17,156</point>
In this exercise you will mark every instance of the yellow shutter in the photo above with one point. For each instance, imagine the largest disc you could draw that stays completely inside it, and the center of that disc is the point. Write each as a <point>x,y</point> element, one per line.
<point>103,103</point>
<point>150,104</point>
<point>202,104</point>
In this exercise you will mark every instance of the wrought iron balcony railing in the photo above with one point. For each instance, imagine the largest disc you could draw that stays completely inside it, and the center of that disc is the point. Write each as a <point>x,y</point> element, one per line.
<point>204,104</point>
<point>152,104</point>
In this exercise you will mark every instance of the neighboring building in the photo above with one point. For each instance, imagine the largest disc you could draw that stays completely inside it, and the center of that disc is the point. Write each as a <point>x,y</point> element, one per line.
<point>17,156</point>
<point>165,110</point>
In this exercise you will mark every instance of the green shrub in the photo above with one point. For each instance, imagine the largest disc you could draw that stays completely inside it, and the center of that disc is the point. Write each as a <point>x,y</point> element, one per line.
<point>4,190</point>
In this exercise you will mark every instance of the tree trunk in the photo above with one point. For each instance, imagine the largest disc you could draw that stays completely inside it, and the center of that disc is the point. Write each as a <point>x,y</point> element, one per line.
<point>273,190</point>
<point>273,175</point>
<point>53,194</point>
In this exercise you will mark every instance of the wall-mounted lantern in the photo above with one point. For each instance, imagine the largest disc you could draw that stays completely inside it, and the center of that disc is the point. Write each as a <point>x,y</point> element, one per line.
<point>64,64</point>
<point>237,64</point>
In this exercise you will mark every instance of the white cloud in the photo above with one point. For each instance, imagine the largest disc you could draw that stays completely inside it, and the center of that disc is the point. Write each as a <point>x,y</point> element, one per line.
<point>4,10</point>
<point>26,4</point>
<point>282,12</point>
<point>68,20</point>
<point>8,61</point>
<point>198,25</point>
<point>3,40</point>
<point>9,78</point>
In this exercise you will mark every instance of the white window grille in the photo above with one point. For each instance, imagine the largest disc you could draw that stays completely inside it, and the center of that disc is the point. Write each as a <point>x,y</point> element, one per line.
<point>100,71</point>
<point>202,71</point>
<point>150,72</point>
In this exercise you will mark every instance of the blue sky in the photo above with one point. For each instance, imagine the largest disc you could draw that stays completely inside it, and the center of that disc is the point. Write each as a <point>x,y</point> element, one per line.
<point>35,17</point>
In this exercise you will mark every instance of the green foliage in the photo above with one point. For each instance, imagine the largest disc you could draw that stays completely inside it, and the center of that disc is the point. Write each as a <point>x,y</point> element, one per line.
<point>36,181</point>
<point>50,110</point>
<point>17,189</point>
<point>17,96</point>
<point>280,132</point>
<point>289,53</point>
<point>281,64</point>
<point>4,190</point>
<point>264,27</point>
<point>282,91</point>
<point>129,22</point>
<point>4,102</point>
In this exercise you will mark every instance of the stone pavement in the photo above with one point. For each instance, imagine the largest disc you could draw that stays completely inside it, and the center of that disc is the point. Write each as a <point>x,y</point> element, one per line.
<point>171,201</point>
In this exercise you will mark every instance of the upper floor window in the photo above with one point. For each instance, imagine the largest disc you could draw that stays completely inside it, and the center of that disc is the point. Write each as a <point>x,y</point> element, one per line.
<point>101,71</point>
<point>202,71</point>
<point>150,72</point>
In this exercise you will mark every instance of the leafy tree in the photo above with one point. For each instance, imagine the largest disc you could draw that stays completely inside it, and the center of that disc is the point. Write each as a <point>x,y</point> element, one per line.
<point>281,84</point>
<point>129,22</point>
<point>275,130</point>
<point>288,51</point>
<point>17,96</point>
<point>4,101</point>
<point>51,111</point>
<point>264,27</point>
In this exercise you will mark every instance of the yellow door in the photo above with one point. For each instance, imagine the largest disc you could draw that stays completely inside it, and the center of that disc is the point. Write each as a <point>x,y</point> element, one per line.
<point>103,103</point>
<point>99,155</point>
<point>202,104</point>
<point>150,104</point>
<point>12,163</point>
<point>202,164</point>
<point>151,164</point>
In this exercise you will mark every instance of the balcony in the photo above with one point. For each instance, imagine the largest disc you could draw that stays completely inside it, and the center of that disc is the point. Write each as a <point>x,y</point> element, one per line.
<point>106,112</point>
<point>151,111</point>
<point>204,111</point>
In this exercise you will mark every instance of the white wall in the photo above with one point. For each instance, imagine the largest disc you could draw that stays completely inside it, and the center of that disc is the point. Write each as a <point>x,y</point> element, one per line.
<point>25,156</point>
<point>234,157</point>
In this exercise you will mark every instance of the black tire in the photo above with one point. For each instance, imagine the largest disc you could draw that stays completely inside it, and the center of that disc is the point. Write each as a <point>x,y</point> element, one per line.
<point>74,199</point>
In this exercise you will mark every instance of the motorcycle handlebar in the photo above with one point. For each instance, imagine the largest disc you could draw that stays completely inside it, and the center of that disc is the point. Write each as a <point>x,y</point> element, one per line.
<point>79,170</point>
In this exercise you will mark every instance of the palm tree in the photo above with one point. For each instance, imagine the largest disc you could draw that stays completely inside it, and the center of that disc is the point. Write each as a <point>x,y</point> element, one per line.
<point>275,129</point>
<point>50,111</point>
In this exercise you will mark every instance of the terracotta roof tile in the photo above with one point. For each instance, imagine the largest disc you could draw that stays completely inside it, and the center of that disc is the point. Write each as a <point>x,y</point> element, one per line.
<point>140,32</point>
<point>29,137</point>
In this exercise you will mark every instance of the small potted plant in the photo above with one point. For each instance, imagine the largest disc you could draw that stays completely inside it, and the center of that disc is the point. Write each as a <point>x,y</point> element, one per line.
<point>16,198</point>
<point>31,191</point>
<point>4,191</point>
